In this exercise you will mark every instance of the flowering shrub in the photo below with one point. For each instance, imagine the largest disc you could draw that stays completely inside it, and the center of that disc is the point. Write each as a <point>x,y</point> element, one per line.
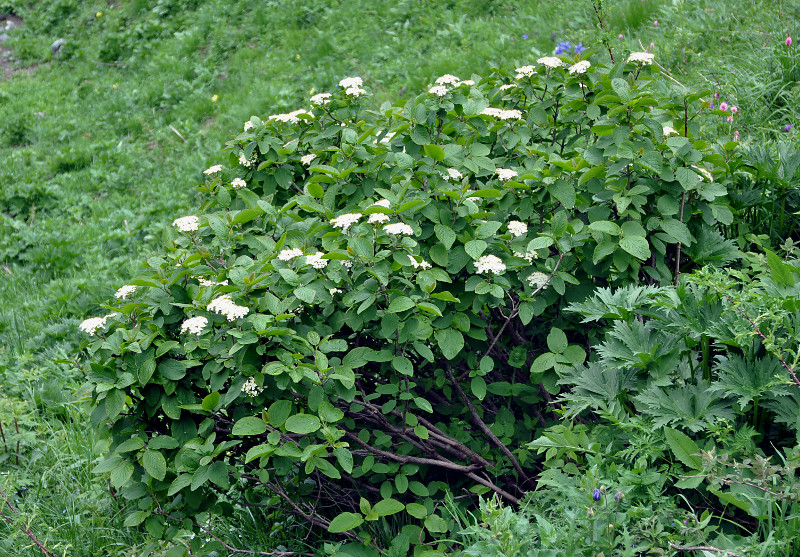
<point>367,312</point>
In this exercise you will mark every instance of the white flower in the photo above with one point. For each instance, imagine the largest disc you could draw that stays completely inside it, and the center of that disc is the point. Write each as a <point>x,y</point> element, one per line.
<point>506,174</point>
<point>333,291</point>
<point>351,82</point>
<point>453,174</point>
<point>212,169</point>
<point>489,264</point>
<point>669,130</point>
<point>474,199</point>
<point>421,264</point>
<point>320,98</point>
<point>580,67</point>
<point>468,82</point>
<point>244,161</point>
<point>355,91</point>
<point>345,221</point>
<point>438,90</point>
<point>529,256</point>
<point>398,228</point>
<point>187,224</point>
<point>490,111</point>
<point>550,62</point>
<point>643,58</point>
<point>250,388</point>
<point>517,228</point>
<point>316,261</point>
<point>502,114</point>
<point>307,159</point>
<point>382,203</point>
<point>248,125</point>
<point>91,325</point>
<point>347,263</point>
<point>238,183</point>
<point>209,283</point>
<point>194,325</point>
<point>124,292</point>
<point>526,71</point>
<point>378,218</point>
<point>289,254</point>
<point>291,117</point>
<point>704,173</point>
<point>447,79</point>
<point>538,280</point>
<point>225,306</point>
<point>507,86</point>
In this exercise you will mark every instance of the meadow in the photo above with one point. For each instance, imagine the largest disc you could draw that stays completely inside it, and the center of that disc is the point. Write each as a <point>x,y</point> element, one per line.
<point>105,143</point>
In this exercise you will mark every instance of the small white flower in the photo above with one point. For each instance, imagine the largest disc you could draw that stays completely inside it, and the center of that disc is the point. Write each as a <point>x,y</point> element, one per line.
<point>351,82</point>
<point>467,82</point>
<point>308,159</point>
<point>398,228</point>
<point>580,67</point>
<point>506,174</point>
<point>321,98</point>
<point>212,169</point>
<point>489,264</point>
<point>517,228</point>
<point>238,183</point>
<point>502,114</point>
<point>347,263</point>
<point>447,79</point>
<point>421,264</point>
<point>378,218</point>
<point>187,224</point>
<point>438,90</point>
<point>526,71</point>
<point>251,389</point>
<point>194,325</point>
<point>209,283</point>
<point>537,279</point>
<point>453,174</point>
<point>474,199</point>
<point>642,58</point>
<point>333,291</point>
<point>290,117</point>
<point>345,221</point>
<point>225,306</point>
<point>507,86</point>
<point>244,161</point>
<point>316,261</point>
<point>490,111</point>
<point>382,203</point>
<point>355,91</point>
<point>529,256</point>
<point>91,325</point>
<point>124,292</point>
<point>248,125</point>
<point>289,254</point>
<point>669,130</point>
<point>550,62</point>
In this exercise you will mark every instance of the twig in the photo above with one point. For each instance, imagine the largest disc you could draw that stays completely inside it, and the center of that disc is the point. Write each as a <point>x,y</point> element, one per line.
<point>170,126</point>
<point>406,459</point>
<point>27,531</point>
<point>702,548</point>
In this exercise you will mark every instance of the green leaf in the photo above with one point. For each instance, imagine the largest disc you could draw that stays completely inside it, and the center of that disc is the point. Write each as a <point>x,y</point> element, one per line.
<point>687,177</point>
<point>478,387</point>
<point>435,152</point>
<point>247,215</point>
<point>345,459</point>
<point>622,89</point>
<point>302,423</point>
<point>780,272</point>
<point>132,444</point>
<point>184,480</point>
<point>135,518</point>
<point>605,226</point>
<point>416,510</point>
<point>121,474</point>
<point>637,246</point>
<point>403,365</point>
<point>684,448</point>
<point>445,235</point>
<point>436,524</point>
<point>154,464</point>
<point>564,192</point>
<point>344,522</point>
<point>543,362</point>
<point>423,404</point>
<point>388,507</point>
<point>115,400</point>
<point>279,411</point>
<point>677,230</point>
<point>401,303</point>
<point>450,342</point>
<point>315,190</point>
<point>475,248</point>
<point>210,401</point>
<point>557,340</point>
<point>249,425</point>
<point>305,294</point>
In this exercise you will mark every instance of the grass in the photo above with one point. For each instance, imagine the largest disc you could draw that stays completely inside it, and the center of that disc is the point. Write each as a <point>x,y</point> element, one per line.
<point>103,145</point>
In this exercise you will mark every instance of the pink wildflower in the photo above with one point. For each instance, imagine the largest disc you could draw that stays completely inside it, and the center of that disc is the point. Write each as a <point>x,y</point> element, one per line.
<point>736,135</point>
<point>734,110</point>
<point>723,106</point>
<point>788,41</point>
<point>730,118</point>
<point>655,23</point>
<point>620,36</point>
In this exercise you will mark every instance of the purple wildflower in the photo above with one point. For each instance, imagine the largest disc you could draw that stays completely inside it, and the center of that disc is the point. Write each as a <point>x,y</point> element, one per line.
<point>787,127</point>
<point>525,37</point>
<point>579,48</point>
<point>597,495</point>
<point>563,47</point>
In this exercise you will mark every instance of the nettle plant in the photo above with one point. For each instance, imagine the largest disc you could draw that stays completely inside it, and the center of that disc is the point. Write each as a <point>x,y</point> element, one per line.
<point>367,310</point>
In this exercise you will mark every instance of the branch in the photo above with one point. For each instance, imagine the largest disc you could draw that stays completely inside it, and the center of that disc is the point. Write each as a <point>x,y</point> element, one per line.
<point>27,531</point>
<point>405,459</point>
<point>702,548</point>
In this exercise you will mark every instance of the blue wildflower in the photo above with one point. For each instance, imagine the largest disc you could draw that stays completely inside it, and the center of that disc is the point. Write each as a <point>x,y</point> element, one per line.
<point>525,37</point>
<point>563,47</point>
<point>579,48</point>
<point>597,494</point>
<point>787,127</point>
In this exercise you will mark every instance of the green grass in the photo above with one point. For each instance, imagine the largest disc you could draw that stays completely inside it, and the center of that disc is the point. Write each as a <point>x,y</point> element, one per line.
<point>103,146</point>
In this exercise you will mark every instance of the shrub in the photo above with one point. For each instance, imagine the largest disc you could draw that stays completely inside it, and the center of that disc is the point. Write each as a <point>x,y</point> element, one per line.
<point>368,309</point>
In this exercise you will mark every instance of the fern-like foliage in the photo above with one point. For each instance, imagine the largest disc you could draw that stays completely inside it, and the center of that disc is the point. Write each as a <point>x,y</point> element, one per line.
<point>711,247</point>
<point>621,303</point>
<point>692,407</point>
<point>600,389</point>
<point>643,347</point>
<point>785,407</point>
<point>745,379</point>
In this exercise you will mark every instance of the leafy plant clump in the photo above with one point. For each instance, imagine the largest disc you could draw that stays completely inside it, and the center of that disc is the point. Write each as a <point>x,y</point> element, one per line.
<point>367,312</point>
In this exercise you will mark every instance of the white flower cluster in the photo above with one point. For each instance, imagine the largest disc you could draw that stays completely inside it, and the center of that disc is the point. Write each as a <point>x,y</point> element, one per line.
<point>187,224</point>
<point>517,228</point>
<point>398,228</point>
<point>238,183</point>
<point>550,62</point>
<point>528,256</point>
<point>538,280</point>
<point>385,203</point>
<point>669,130</point>
<point>453,174</point>
<point>289,254</point>
<point>355,92</point>
<point>210,283</point>
<point>421,264</point>
<point>643,58</point>
<point>506,174</point>
<point>489,264</point>
<point>345,221</point>
<point>225,306</point>
<point>91,325</point>
<point>526,71</point>
<point>308,159</point>
<point>212,169</point>
<point>580,67</point>
<point>438,90</point>
<point>194,325</point>
<point>124,292</point>
<point>351,82</point>
<point>467,82</point>
<point>333,291</point>
<point>248,125</point>
<point>378,218</point>
<point>507,86</point>
<point>291,117</point>
<point>447,79</point>
<point>250,388</point>
<point>244,161</point>
<point>321,98</point>
<point>316,261</point>
<point>502,114</point>
<point>347,264</point>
